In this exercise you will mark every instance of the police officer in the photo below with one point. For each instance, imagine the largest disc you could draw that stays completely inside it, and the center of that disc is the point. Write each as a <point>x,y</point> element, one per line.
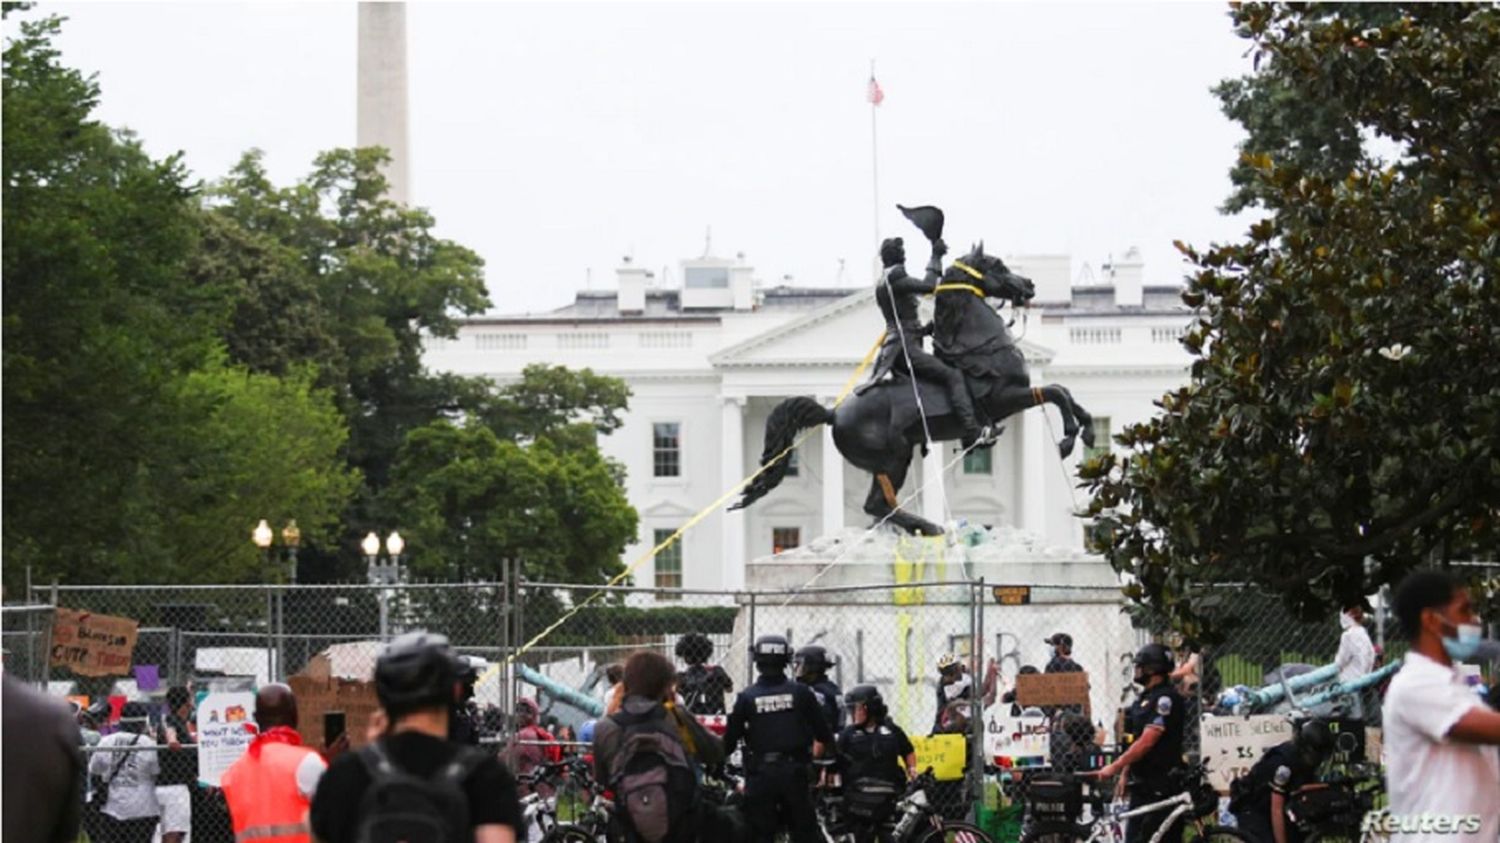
<point>878,760</point>
<point>1260,798</point>
<point>463,715</point>
<point>1154,725</point>
<point>812,665</point>
<point>779,720</point>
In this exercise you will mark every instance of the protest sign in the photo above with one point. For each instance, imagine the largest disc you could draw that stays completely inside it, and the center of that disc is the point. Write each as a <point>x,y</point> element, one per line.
<point>338,679</point>
<point>1024,740</point>
<point>943,753</point>
<point>1053,689</point>
<point>224,730</point>
<point>1232,745</point>
<point>90,644</point>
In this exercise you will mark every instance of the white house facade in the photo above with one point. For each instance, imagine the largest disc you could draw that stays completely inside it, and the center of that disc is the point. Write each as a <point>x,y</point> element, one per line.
<point>707,360</point>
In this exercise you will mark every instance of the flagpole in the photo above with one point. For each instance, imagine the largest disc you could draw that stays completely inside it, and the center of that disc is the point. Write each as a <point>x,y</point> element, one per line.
<point>874,163</point>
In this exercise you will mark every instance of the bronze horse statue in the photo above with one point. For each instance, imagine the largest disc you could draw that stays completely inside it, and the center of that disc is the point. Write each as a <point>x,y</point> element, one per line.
<point>878,426</point>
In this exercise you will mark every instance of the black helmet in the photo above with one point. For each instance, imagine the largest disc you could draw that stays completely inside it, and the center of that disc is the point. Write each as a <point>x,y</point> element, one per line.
<point>695,648</point>
<point>867,696</point>
<point>813,659</point>
<point>892,252</point>
<point>1314,741</point>
<point>771,652</point>
<point>416,670</point>
<point>1155,658</point>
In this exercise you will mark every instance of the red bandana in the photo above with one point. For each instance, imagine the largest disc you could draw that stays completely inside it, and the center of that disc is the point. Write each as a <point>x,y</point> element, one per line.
<point>275,734</point>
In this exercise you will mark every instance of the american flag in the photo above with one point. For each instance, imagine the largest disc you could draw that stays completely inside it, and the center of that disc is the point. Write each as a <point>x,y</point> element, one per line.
<point>877,96</point>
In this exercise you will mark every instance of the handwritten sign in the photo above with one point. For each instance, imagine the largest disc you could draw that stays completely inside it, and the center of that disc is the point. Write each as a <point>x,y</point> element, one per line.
<point>1024,740</point>
<point>225,728</point>
<point>943,753</point>
<point>1232,745</point>
<point>1012,595</point>
<point>1051,689</point>
<point>90,644</point>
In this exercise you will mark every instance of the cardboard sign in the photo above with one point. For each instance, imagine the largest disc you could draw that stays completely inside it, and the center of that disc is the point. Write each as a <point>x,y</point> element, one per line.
<point>315,697</point>
<point>943,753</point>
<point>1012,595</point>
<point>90,644</point>
<point>1053,689</point>
<point>225,728</point>
<point>1024,740</point>
<point>1374,748</point>
<point>1232,745</point>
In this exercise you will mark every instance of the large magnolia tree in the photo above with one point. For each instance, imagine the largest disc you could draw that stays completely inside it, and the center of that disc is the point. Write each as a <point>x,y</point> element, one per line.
<point>1342,421</point>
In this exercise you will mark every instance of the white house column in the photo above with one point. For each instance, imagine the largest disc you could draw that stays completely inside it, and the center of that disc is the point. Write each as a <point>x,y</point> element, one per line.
<point>1032,494</point>
<point>833,483</point>
<point>732,471</point>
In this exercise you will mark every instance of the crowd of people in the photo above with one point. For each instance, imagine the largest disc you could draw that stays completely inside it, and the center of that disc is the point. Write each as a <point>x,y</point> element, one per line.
<point>425,772</point>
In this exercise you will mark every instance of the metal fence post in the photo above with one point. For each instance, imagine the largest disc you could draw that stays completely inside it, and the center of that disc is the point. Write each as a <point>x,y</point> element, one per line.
<point>46,670</point>
<point>750,638</point>
<point>976,727</point>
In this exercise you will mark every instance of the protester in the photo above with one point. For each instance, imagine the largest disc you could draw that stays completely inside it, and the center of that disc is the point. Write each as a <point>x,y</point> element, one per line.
<point>271,786</point>
<point>1188,674</point>
<point>701,685</point>
<point>1439,737</point>
<point>811,666</point>
<point>779,721</point>
<point>651,740</point>
<point>612,693</point>
<point>41,770</point>
<point>955,684</point>
<point>1062,655</point>
<point>1011,697</point>
<point>1356,655</point>
<point>531,746</point>
<point>467,794</point>
<point>464,720</point>
<point>878,759</point>
<point>179,766</point>
<point>127,778</point>
<point>1154,725</point>
<point>1073,745</point>
<point>1259,799</point>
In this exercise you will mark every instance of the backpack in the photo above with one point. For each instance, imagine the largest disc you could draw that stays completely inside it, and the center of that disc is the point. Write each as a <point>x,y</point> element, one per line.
<point>653,780</point>
<point>399,807</point>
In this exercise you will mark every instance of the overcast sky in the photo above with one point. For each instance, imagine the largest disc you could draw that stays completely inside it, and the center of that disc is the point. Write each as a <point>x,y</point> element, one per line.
<point>555,137</point>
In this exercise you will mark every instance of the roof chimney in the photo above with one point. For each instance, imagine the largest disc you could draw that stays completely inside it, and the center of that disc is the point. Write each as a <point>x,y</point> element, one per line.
<point>632,282</point>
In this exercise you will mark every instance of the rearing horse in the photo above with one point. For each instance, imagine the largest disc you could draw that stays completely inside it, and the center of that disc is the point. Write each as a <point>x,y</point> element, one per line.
<point>878,426</point>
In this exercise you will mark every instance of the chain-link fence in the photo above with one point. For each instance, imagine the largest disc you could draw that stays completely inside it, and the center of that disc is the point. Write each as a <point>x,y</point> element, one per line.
<point>555,643</point>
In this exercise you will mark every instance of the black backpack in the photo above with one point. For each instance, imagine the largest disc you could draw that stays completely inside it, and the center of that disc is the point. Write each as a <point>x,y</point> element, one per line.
<point>654,781</point>
<point>399,807</point>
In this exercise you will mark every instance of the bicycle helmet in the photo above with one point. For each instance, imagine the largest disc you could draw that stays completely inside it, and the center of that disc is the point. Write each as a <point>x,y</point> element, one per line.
<point>1154,658</point>
<point>416,670</point>
<point>813,659</point>
<point>947,662</point>
<point>695,648</point>
<point>771,653</point>
<point>586,731</point>
<point>867,696</point>
<point>1314,741</point>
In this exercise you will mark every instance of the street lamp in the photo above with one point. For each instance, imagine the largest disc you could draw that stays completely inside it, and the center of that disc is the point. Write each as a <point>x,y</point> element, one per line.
<point>262,535</point>
<point>292,538</point>
<point>394,544</point>
<point>385,573</point>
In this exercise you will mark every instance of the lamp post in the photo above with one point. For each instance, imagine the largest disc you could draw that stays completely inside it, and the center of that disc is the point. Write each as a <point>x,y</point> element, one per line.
<point>292,538</point>
<point>383,573</point>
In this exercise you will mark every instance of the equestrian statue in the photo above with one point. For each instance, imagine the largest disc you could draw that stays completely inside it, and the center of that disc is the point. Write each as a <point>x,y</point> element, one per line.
<point>974,378</point>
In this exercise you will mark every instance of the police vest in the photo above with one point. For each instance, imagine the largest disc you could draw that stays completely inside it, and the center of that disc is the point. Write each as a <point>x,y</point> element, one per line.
<point>1159,705</point>
<point>265,805</point>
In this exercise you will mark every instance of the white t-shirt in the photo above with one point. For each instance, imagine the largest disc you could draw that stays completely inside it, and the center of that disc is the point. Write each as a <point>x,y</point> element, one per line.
<point>1426,772</point>
<point>309,773</point>
<point>1356,655</point>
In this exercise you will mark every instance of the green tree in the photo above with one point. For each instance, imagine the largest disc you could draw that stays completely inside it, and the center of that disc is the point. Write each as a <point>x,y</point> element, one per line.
<point>130,447</point>
<point>1343,403</point>
<point>472,499</point>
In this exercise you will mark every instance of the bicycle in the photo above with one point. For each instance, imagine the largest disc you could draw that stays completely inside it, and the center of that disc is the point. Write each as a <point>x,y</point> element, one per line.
<point>543,812</point>
<point>915,820</point>
<point>1106,823</point>
<point>1336,813</point>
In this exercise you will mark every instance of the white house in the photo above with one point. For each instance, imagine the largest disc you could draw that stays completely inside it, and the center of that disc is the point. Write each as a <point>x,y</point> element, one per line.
<point>706,361</point>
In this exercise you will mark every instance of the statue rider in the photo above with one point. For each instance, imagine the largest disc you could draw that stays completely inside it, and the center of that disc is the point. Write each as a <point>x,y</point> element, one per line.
<point>896,293</point>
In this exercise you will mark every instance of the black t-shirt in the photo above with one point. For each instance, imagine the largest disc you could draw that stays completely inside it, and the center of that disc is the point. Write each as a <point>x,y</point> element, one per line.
<point>178,766</point>
<point>335,808</point>
<point>874,754</point>
<point>702,688</point>
<point>1281,769</point>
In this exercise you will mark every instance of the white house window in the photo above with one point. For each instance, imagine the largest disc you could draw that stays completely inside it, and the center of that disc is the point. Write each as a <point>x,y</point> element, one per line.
<point>785,538</point>
<point>666,448</point>
<point>706,278</point>
<point>1102,431</point>
<point>980,461</point>
<point>793,464</point>
<point>668,564</point>
<point>495,341</point>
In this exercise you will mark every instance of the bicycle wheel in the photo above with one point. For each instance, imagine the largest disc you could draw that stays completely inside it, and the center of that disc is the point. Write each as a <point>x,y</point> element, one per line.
<point>1054,832</point>
<point>953,832</point>
<point>569,833</point>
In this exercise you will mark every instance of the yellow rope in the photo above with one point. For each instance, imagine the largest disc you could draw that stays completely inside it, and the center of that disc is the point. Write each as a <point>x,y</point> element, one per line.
<point>967,288</point>
<point>971,271</point>
<point>691,522</point>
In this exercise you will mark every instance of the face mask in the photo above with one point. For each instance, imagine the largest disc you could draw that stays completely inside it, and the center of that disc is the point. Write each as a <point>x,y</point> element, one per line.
<point>1466,644</point>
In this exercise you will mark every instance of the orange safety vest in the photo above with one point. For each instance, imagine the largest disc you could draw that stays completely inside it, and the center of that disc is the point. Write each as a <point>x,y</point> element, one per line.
<point>264,803</point>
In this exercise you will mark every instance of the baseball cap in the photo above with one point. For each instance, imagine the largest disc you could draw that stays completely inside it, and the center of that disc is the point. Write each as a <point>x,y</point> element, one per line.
<point>1061,639</point>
